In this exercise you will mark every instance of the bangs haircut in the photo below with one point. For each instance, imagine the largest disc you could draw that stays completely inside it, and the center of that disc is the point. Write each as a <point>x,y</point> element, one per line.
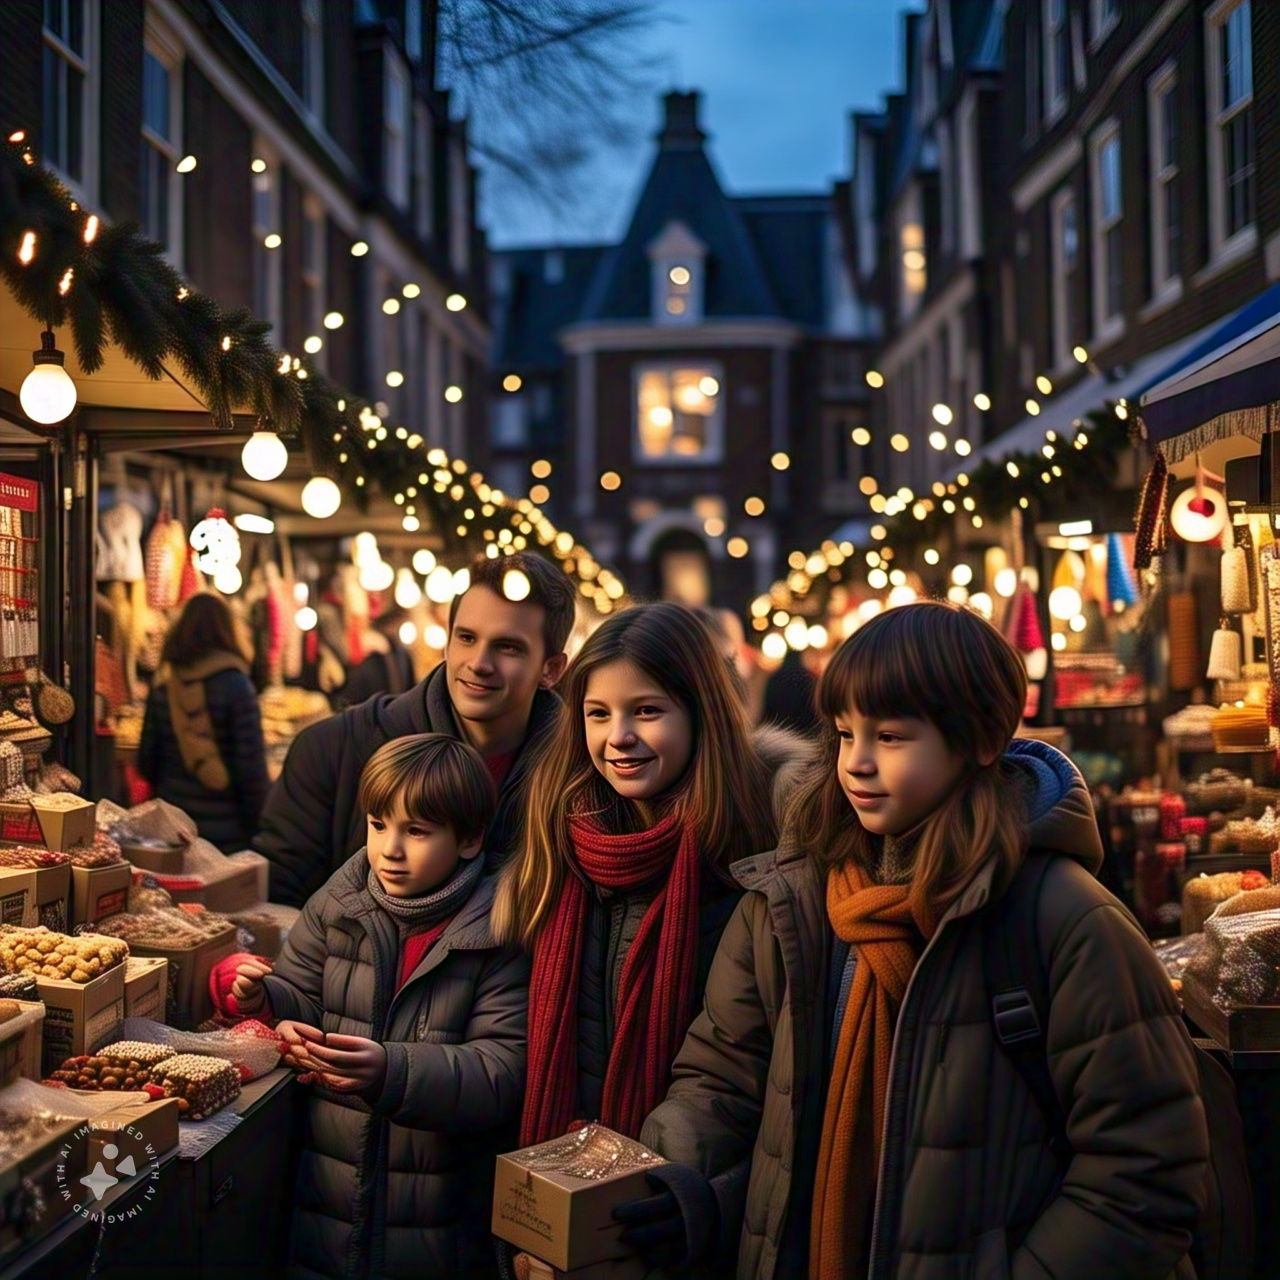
<point>434,778</point>
<point>945,664</point>
<point>725,793</point>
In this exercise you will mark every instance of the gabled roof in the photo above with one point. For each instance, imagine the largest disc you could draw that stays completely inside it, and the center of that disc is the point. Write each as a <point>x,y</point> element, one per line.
<point>537,305</point>
<point>682,186</point>
<point>790,233</point>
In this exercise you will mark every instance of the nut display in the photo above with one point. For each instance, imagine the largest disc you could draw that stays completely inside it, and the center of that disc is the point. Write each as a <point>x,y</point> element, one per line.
<point>101,851</point>
<point>169,927</point>
<point>31,858</point>
<point>201,1085</point>
<point>46,954</point>
<point>126,1066</point>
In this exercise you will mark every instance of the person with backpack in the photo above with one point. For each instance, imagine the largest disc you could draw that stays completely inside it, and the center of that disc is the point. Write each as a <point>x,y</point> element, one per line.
<point>849,1104</point>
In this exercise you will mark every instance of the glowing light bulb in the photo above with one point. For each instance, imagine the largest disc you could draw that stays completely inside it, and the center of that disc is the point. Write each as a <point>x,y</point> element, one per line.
<point>424,560</point>
<point>264,456</point>
<point>306,618</point>
<point>48,394</point>
<point>321,497</point>
<point>515,585</point>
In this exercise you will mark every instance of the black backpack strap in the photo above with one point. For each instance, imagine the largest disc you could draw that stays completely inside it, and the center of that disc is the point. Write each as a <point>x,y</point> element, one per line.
<point>1017,984</point>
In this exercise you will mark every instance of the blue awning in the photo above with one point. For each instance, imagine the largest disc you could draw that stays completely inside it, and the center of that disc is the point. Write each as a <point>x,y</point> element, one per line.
<point>1224,385</point>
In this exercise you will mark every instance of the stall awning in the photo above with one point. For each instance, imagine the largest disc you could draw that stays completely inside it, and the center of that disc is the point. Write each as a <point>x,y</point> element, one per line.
<point>1061,412</point>
<point>1228,384</point>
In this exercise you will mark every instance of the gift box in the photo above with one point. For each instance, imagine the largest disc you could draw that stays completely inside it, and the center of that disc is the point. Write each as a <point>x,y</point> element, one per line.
<point>56,824</point>
<point>99,892</point>
<point>556,1200</point>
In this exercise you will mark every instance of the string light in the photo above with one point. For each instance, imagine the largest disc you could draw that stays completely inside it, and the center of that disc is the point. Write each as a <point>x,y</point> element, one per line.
<point>899,443</point>
<point>1044,386</point>
<point>411,290</point>
<point>186,165</point>
<point>1032,407</point>
<point>313,344</point>
<point>875,379</point>
<point>27,249</point>
<point>455,302</point>
<point>91,228</point>
<point>512,382</point>
<point>391,306</point>
<point>982,402</point>
<point>395,378</point>
<point>359,249</point>
<point>272,241</point>
<point>334,320</point>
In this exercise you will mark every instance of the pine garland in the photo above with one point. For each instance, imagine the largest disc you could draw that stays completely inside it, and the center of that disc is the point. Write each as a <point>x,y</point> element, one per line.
<point>111,285</point>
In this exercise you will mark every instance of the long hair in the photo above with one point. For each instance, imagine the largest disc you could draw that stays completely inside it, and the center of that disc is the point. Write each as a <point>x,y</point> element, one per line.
<point>203,627</point>
<point>944,664</point>
<point>724,792</point>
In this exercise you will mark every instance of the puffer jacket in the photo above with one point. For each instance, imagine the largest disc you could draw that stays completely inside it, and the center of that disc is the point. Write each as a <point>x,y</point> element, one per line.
<point>227,818</point>
<point>399,1184</point>
<point>965,1149</point>
<point>311,824</point>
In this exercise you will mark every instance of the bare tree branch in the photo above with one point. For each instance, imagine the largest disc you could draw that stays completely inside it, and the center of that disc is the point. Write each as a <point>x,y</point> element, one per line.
<point>546,87</point>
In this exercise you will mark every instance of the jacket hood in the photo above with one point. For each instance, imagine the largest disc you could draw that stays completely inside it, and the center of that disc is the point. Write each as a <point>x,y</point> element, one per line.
<point>1058,803</point>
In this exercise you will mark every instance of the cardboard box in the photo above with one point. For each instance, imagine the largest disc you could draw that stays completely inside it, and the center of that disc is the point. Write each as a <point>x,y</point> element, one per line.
<point>99,892</point>
<point>165,860</point>
<point>616,1269</point>
<point>540,1206</point>
<point>232,892</point>
<point>139,1127</point>
<point>80,1017</point>
<point>20,1040</point>
<point>146,988</point>
<point>189,969</point>
<point>39,824</point>
<point>40,1170</point>
<point>37,897</point>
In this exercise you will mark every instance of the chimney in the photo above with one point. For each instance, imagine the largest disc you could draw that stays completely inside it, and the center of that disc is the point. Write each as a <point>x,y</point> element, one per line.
<point>680,131</point>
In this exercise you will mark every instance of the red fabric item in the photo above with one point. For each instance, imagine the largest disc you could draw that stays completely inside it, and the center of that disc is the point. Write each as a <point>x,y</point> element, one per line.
<point>655,993</point>
<point>221,978</point>
<point>499,766</point>
<point>416,945</point>
<point>1027,635</point>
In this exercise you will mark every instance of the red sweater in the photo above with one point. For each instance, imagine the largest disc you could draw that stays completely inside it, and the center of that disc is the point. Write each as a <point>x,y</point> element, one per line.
<point>416,947</point>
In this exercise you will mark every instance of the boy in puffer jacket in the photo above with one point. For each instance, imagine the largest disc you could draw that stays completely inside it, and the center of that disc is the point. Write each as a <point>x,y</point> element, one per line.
<point>409,1019</point>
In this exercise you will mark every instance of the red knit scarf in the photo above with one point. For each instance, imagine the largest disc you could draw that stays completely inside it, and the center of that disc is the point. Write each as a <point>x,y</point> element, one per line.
<point>655,992</point>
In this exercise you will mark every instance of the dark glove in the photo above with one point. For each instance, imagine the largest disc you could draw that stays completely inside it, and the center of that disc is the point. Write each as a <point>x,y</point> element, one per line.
<point>672,1227</point>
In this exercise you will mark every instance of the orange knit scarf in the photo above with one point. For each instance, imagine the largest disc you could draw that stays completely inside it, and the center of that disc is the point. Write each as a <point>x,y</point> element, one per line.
<point>883,922</point>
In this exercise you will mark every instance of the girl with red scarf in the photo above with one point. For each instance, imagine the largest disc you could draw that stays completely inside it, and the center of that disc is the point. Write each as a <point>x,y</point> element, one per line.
<point>649,790</point>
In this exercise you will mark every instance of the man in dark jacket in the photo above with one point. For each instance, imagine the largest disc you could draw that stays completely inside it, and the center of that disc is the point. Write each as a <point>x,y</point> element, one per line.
<point>493,690</point>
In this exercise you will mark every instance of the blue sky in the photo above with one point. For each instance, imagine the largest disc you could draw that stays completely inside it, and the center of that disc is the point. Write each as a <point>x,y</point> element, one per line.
<point>778,79</point>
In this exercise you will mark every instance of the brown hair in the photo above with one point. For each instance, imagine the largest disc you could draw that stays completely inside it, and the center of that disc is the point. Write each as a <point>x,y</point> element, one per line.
<point>431,777</point>
<point>203,627</point>
<point>549,589</point>
<point>724,792</point>
<point>937,662</point>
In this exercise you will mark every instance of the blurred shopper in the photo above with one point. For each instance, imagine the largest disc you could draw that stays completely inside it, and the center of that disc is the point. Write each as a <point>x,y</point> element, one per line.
<point>789,696</point>
<point>493,691</point>
<point>201,747</point>
<point>387,666</point>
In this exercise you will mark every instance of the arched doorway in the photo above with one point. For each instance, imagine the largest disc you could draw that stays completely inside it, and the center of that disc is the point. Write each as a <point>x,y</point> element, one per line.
<point>680,567</point>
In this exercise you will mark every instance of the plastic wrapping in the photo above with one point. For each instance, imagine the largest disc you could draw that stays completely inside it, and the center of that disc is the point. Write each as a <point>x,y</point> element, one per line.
<point>590,1153</point>
<point>1176,953</point>
<point>155,822</point>
<point>252,1052</point>
<point>1240,964</point>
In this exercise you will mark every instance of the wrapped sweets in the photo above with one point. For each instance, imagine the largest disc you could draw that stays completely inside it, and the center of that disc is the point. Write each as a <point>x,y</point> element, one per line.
<point>1201,895</point>
<point>201,1085</point>
<point>126,1066</point>
<point>46,954</point>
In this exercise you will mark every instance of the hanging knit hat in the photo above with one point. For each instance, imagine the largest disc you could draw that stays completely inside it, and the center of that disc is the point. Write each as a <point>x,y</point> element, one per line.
<point>1026,633</point>
<point>1152,526</point>
<point>1120,583</point>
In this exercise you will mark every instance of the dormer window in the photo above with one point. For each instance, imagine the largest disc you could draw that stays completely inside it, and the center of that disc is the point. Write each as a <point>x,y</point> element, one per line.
<point>678,258</point>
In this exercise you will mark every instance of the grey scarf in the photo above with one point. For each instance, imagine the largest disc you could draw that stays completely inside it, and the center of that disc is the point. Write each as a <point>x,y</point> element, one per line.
<point>412,915</point>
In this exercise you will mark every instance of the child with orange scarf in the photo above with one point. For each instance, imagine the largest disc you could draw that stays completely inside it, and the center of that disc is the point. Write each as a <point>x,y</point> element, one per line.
<point>649,790</point>
<point>846,1075</point>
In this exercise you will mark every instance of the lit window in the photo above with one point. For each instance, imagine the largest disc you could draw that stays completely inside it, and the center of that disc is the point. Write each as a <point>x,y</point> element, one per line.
<point>1231,136</point>
<point>159,184</point>
<point>914,266</point>
<point>1107,212</point>
<point>313,58</point>
<point>70,85</point>
<point>677,259</point>
<point>1057,54</point>
<point>679,412</point>
<point>1166,215</point>
<point>395,132</point>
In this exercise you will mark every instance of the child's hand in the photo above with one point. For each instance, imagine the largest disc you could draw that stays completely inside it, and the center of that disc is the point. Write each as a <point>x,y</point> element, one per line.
<point>299,1039</point>
<point>349,1064</point>
<point>250,995</point>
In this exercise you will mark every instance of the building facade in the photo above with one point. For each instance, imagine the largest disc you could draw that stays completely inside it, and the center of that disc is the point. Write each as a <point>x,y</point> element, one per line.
<point>293,158</point>
<point>693,397</point>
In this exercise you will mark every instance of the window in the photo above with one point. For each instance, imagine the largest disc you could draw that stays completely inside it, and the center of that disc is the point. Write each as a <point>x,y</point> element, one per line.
<point>842,459</point>
<point>1107,213</point>
<point>266,240</point>
<point>159,186</point>
<point>313,269</point>
<point>459,206</point>
<point>1103,16</point>
<point>395,132</point>
<point>676,260</point>
<point>914,275</point>
<point>423,186</point>
<point>1065,247</point>
<point>68,128</point>
<point>679,412</point>
<point>511,421</point>
<point>1057,59</point>
<point>1231,141</point>
<point>413,29</point>
<point>1166,216</point>
<point>313,58</point>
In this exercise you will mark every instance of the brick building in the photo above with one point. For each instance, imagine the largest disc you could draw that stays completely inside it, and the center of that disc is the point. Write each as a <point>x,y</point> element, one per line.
<point>693,396</point>
<point>330,192</point>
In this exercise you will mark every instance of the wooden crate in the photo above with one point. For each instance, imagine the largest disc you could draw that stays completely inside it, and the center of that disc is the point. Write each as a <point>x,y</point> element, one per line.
<point>1251,1029</point>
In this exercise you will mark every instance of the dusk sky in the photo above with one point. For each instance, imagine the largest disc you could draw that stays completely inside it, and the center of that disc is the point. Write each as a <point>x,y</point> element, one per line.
<point>778,79</point>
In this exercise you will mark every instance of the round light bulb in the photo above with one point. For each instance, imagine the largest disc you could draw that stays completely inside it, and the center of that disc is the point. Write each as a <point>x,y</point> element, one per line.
<point>408,593</point>
<point>321,497</point>
<point>1006,582</point>
<point>461,581</point>
<point>982,603</point>
<point>436,637</point>
<point>408,632</point>
<point>1064,603</point>
<point>424,561</point>
<point>48,394</point>
<point>900,595</point>
<point>774,647</point>
<point>440,585</point>
<point>1198,517</point>
<point>264,456</point>
<point>515,585</point>
<point>306,618</point>
<point>962,575</point>
<point>228,580</point>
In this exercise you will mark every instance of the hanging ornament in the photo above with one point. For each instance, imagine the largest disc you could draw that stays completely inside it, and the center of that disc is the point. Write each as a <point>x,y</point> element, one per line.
<point>1224,654</point>
<point>320,497</point>
<point>1121,587</point>
<point>264,456</point>
<point>1238,594</point>
<point>1151,536</point>
<point>48,394</point>
<point>1199,513</point>
<point>215,542</point>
